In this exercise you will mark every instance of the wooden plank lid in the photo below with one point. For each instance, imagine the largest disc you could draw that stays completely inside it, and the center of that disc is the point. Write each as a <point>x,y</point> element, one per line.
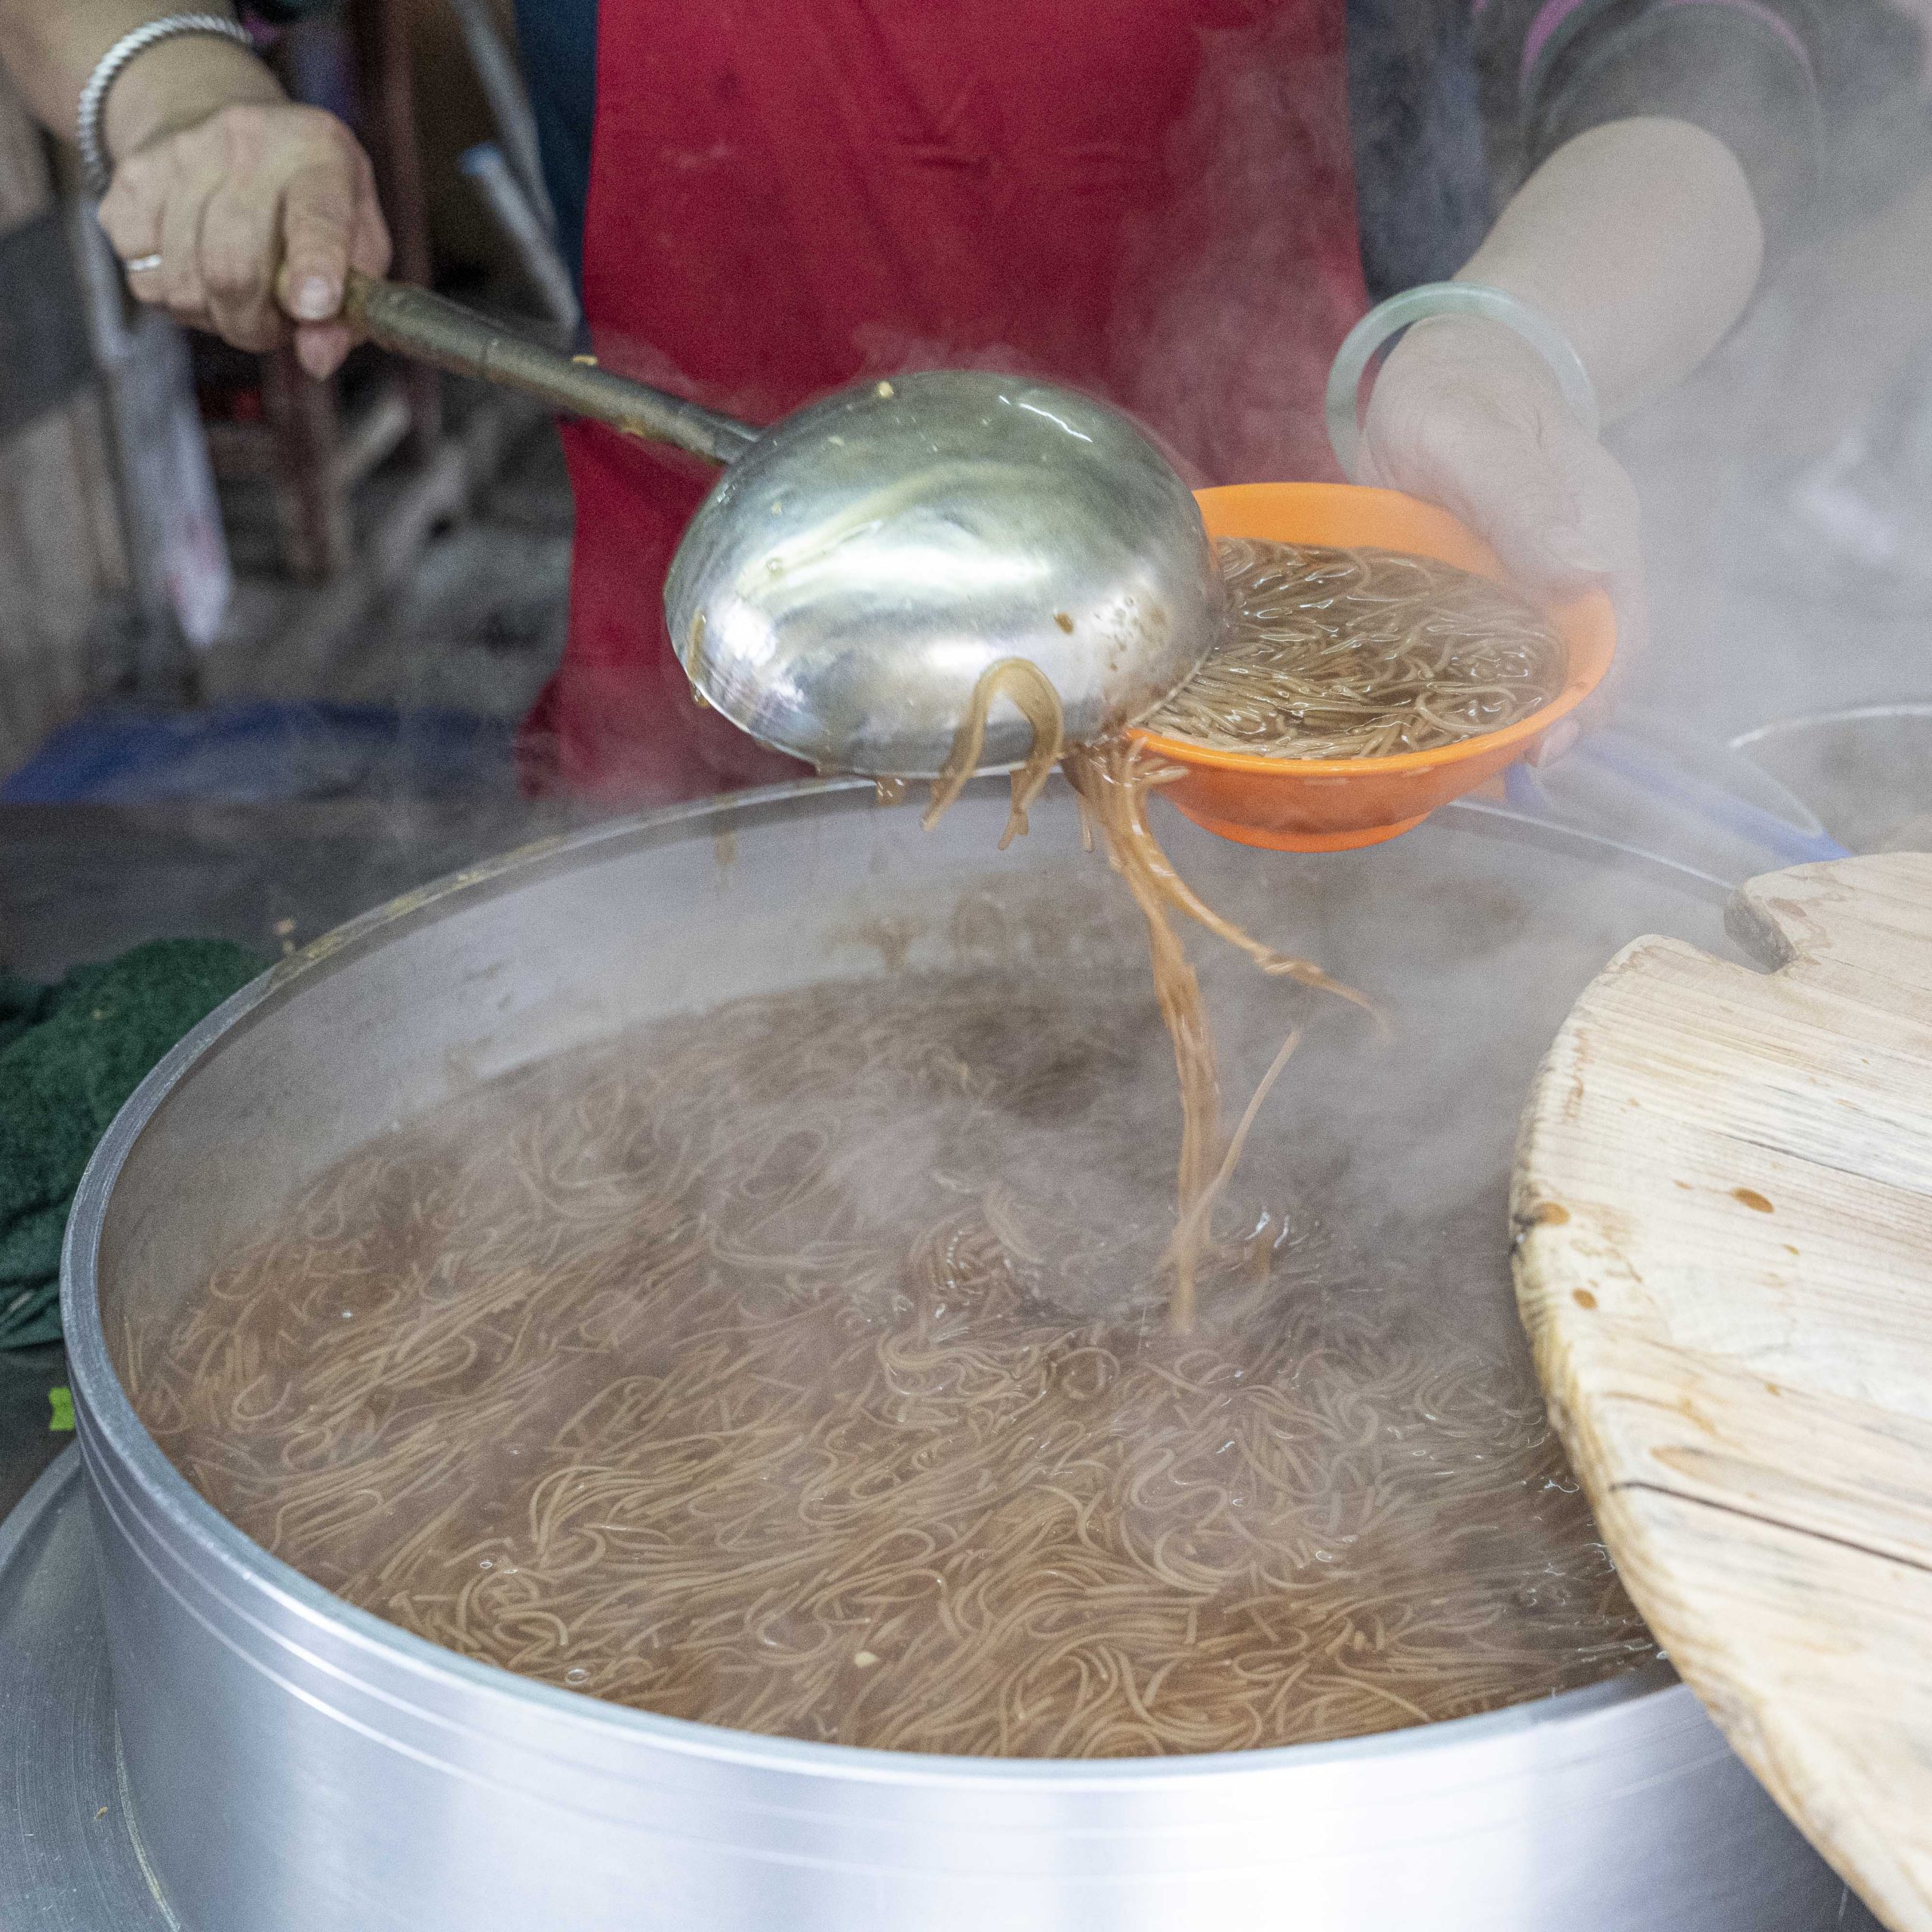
<point>1723,1203</point>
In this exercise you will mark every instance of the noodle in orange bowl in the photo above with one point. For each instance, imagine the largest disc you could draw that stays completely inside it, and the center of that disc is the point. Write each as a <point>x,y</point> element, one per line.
<point>1332,804</point>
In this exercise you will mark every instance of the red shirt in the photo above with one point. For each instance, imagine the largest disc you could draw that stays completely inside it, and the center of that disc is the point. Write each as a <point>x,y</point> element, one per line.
<point>1151,199</point>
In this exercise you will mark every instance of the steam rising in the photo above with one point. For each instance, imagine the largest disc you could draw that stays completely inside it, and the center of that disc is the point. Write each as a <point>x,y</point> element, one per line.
<point>804,1367</point>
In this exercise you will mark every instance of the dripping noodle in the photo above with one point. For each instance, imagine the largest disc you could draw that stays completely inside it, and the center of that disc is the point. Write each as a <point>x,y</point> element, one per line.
<point>1112,780</point>
<point>826,1365</point>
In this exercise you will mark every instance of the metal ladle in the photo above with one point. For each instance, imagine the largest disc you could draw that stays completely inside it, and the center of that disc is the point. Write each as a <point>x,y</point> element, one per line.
<point>860,564</point>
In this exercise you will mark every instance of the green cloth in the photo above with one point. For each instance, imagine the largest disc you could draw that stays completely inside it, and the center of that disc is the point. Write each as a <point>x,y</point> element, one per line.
<point>70,1054</point>
<point>22,1003</point>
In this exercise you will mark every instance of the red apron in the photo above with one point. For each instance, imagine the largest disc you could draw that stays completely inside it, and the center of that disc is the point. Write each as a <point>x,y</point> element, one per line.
<point>1153,199</point>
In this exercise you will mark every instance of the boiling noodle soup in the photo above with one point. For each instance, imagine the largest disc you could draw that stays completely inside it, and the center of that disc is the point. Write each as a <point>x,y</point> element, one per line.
<point>805,1367</point>
<point>837,1364</point>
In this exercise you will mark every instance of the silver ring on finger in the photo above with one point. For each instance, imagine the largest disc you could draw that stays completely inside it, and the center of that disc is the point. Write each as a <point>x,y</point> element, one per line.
<point>142,264</point>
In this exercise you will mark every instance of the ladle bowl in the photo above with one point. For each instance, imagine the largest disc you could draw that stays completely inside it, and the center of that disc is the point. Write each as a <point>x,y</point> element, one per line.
<point>849,577</point>
<point>860,564</point>
<point>1333,804</point>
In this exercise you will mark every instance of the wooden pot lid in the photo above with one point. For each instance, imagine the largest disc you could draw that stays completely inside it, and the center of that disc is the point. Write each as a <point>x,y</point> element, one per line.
<point>1723,1203</point>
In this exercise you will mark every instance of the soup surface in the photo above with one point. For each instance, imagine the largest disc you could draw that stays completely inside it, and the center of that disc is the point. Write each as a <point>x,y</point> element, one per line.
<point>804,1367</point>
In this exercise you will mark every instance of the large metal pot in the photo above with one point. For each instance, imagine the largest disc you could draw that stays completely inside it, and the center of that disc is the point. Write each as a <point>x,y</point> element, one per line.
<point>292,1762</point>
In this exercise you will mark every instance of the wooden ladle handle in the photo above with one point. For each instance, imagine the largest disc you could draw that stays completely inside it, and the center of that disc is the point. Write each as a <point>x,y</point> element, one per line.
<point>412,322</point>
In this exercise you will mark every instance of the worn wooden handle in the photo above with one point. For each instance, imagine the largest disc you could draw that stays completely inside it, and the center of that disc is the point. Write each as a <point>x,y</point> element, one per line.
<point>412,322</point>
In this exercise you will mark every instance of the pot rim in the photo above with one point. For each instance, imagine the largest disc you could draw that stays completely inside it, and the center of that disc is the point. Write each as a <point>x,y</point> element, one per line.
<point>109,1428</point>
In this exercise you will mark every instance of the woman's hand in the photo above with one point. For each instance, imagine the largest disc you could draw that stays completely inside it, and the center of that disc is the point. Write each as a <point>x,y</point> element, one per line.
<point>1467,414</point>
<point>256,212</point>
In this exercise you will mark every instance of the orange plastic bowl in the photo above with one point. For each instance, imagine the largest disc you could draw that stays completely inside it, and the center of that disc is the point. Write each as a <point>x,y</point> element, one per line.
<point>1332,804</point>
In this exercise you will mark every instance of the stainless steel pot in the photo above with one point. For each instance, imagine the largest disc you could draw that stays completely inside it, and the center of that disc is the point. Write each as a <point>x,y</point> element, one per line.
<point>294,1763</point>
<point>1867,772</point>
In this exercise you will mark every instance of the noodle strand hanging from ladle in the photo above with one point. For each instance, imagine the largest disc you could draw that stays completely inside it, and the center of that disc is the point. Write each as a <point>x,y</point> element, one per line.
<point>1027,685</point>
<point>1328,654</point>
<point>1112,780</point>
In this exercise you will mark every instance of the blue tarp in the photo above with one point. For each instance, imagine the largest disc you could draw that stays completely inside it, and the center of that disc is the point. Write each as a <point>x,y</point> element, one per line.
<point>263,752</point>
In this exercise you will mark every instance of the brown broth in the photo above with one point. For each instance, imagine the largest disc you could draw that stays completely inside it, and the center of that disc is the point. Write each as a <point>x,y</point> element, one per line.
<point>804,1367</point>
